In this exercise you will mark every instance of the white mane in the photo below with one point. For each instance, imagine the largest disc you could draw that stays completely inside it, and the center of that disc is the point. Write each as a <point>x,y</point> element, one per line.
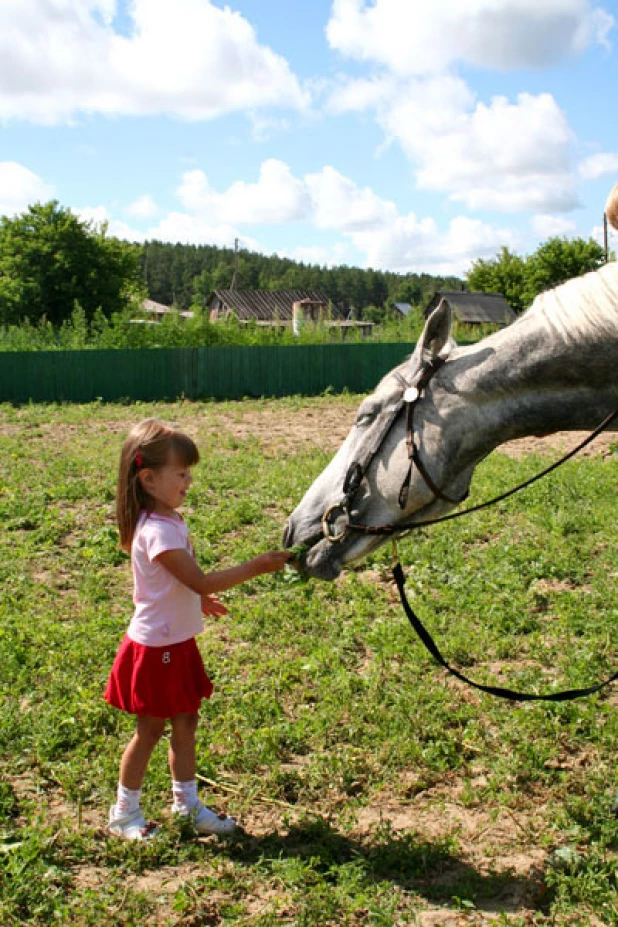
<point>585,307</point>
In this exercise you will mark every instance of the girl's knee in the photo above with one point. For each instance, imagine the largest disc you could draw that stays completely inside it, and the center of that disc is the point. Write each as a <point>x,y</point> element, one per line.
<point>150,729</point>
<point>185,723</point>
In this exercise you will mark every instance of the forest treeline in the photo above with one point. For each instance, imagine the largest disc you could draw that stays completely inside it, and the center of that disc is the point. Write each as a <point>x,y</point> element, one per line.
<point>185,276</point>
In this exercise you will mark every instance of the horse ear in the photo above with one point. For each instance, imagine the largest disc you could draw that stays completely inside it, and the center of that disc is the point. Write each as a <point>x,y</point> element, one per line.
<point>436,335</point>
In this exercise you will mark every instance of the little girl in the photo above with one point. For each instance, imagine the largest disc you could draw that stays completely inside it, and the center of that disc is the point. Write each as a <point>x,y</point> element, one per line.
<point>158,672</point>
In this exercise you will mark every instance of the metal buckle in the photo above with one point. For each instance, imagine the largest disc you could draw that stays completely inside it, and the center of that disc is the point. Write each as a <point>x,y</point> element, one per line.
<point>326,530</point>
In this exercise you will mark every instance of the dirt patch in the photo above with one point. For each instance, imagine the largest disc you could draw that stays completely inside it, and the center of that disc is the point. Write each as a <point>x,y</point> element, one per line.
<point>326,426</point>
<point>287,430</point>
<point>560,443</point>
<point>321,423</point>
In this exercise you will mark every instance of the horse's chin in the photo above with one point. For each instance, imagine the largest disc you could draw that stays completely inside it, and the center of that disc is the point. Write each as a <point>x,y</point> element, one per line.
<point>326,559</point>
<point>319,563</point>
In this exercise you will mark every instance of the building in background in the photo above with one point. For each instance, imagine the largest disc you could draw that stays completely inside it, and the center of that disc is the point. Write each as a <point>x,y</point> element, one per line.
<point>474,308</point>
<point>281,308</point>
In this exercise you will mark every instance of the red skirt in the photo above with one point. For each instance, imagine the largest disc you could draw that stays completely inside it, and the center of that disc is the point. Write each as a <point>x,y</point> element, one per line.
<point>158,681</point>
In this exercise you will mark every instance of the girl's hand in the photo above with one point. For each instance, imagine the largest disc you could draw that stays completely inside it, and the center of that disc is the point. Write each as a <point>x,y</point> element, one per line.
<point>272,560</point>
<point>212,606</point>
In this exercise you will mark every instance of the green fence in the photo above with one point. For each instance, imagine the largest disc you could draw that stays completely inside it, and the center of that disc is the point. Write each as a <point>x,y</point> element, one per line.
<point>217,373</point>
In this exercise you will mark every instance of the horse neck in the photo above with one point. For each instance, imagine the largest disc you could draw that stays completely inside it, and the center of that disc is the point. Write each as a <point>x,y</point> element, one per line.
<point>554,369</point>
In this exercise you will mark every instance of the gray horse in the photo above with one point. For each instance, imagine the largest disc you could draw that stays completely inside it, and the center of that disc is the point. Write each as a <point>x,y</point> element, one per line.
<point>554,369</point>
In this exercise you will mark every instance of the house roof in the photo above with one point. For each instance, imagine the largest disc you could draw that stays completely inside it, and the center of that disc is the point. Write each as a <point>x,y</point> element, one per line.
<point>149,305</point>
<point>265,305</point>
<point>404,308</point>
<point>159,309</point>
<point>475,308</point>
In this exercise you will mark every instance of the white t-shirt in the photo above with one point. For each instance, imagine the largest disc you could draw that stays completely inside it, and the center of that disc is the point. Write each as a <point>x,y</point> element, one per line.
<point>166,611</point>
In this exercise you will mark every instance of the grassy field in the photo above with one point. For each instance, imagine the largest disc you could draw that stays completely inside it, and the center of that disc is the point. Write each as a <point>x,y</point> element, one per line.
<point>373,790</point>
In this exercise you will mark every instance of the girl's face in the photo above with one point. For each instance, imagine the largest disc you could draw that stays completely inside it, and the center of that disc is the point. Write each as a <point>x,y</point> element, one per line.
<point>167,485</point>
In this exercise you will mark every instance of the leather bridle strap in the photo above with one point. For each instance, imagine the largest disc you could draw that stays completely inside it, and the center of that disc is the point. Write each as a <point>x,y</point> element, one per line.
<point>404,527</point>
<point>417,391</point>
<point>498,691</point>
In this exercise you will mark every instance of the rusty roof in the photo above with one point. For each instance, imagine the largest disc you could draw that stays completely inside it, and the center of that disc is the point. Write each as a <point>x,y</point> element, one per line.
<point>266,305</point>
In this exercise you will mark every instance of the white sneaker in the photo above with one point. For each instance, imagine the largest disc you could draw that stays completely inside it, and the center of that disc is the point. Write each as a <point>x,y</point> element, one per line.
<point>207,821</point>
<point>131,826</point>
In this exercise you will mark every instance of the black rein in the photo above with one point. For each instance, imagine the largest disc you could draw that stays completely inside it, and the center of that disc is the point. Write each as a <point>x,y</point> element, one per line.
<point>410,396</point>
<point>428,641</point>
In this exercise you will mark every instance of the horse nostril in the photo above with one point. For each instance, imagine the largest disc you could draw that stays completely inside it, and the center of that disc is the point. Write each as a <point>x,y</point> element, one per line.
<point>287,535</point>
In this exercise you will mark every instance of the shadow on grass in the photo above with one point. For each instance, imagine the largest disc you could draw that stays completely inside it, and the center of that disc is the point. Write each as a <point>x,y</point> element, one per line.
<point>431,869</point>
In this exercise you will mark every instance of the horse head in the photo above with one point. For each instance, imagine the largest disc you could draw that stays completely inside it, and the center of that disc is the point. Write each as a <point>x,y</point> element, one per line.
<point>371,480</point>
<point>411,452</point>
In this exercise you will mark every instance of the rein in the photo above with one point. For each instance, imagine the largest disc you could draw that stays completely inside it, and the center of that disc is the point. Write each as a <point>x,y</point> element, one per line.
<point>354,477</point>
<point>498,691</point>
<point>402,529</point>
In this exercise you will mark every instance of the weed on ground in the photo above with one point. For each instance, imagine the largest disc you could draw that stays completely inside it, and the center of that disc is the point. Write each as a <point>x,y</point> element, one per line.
<point>372,788</point>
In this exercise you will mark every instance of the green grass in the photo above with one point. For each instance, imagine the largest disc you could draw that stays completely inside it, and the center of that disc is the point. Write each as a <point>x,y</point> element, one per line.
<point>372,788</point>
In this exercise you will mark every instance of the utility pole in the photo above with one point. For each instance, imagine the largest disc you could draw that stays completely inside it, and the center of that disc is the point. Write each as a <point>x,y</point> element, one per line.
<point>605,246</point>
<point>235,274</point>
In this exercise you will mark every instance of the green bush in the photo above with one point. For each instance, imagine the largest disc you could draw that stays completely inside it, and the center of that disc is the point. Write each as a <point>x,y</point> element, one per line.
<point>129,330</point>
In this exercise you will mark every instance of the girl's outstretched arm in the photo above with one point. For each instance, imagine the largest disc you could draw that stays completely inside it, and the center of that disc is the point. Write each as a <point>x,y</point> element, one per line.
<point>182,565</point>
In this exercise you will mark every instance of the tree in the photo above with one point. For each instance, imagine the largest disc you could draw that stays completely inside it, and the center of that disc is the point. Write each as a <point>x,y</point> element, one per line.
<point>505,274</point>
<point>558,260</point>
<point>202,288</point>
<point>520,280</point>
<point>50,260</point>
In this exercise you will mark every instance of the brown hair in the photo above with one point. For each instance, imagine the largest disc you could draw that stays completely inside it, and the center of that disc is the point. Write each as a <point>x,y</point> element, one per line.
<point>150,444</point>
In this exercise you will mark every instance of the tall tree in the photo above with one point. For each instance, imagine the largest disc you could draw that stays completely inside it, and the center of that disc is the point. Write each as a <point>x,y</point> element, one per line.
<point>50,260</point>
<point>505,274</point>
<point>558,260</point>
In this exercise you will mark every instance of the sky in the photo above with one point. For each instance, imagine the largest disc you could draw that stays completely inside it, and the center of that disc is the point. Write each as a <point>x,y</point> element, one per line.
<point>403,135</point>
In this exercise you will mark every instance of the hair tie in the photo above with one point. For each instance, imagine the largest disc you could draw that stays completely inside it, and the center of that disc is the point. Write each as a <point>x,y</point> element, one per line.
<point>139,460</point>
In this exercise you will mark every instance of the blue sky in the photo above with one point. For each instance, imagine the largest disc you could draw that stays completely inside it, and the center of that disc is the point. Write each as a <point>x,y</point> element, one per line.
<point>399,134</point>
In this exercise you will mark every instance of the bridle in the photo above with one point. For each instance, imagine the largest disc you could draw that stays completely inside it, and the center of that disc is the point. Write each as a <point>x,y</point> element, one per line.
<point>409,395</point>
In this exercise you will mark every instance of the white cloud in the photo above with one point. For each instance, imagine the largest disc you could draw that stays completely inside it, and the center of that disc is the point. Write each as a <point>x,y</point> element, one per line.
<point>419,245</point>
<point>276,197</point>
<point>502,155</point>
<point>144,207</point>
<point>596,165</point>
<point>20,188</point>
<point>545,226</point>
<point>507,155</point>
<point>360,94</point>
<point>338,203</point>
<point>328,198</point>
<point>190,59</point>
<point>424,37</point>
<point>369,225</point>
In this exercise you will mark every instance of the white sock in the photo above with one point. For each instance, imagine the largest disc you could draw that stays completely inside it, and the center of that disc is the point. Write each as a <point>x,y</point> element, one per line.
<point>185,795</point>
<point>127,800</point>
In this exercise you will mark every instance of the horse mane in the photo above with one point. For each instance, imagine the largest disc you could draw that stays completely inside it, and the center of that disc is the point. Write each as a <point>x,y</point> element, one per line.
<point>582,308</point>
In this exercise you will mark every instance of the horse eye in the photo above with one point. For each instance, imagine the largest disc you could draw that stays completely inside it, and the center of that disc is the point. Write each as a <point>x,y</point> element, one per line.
<point>366,415</point>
